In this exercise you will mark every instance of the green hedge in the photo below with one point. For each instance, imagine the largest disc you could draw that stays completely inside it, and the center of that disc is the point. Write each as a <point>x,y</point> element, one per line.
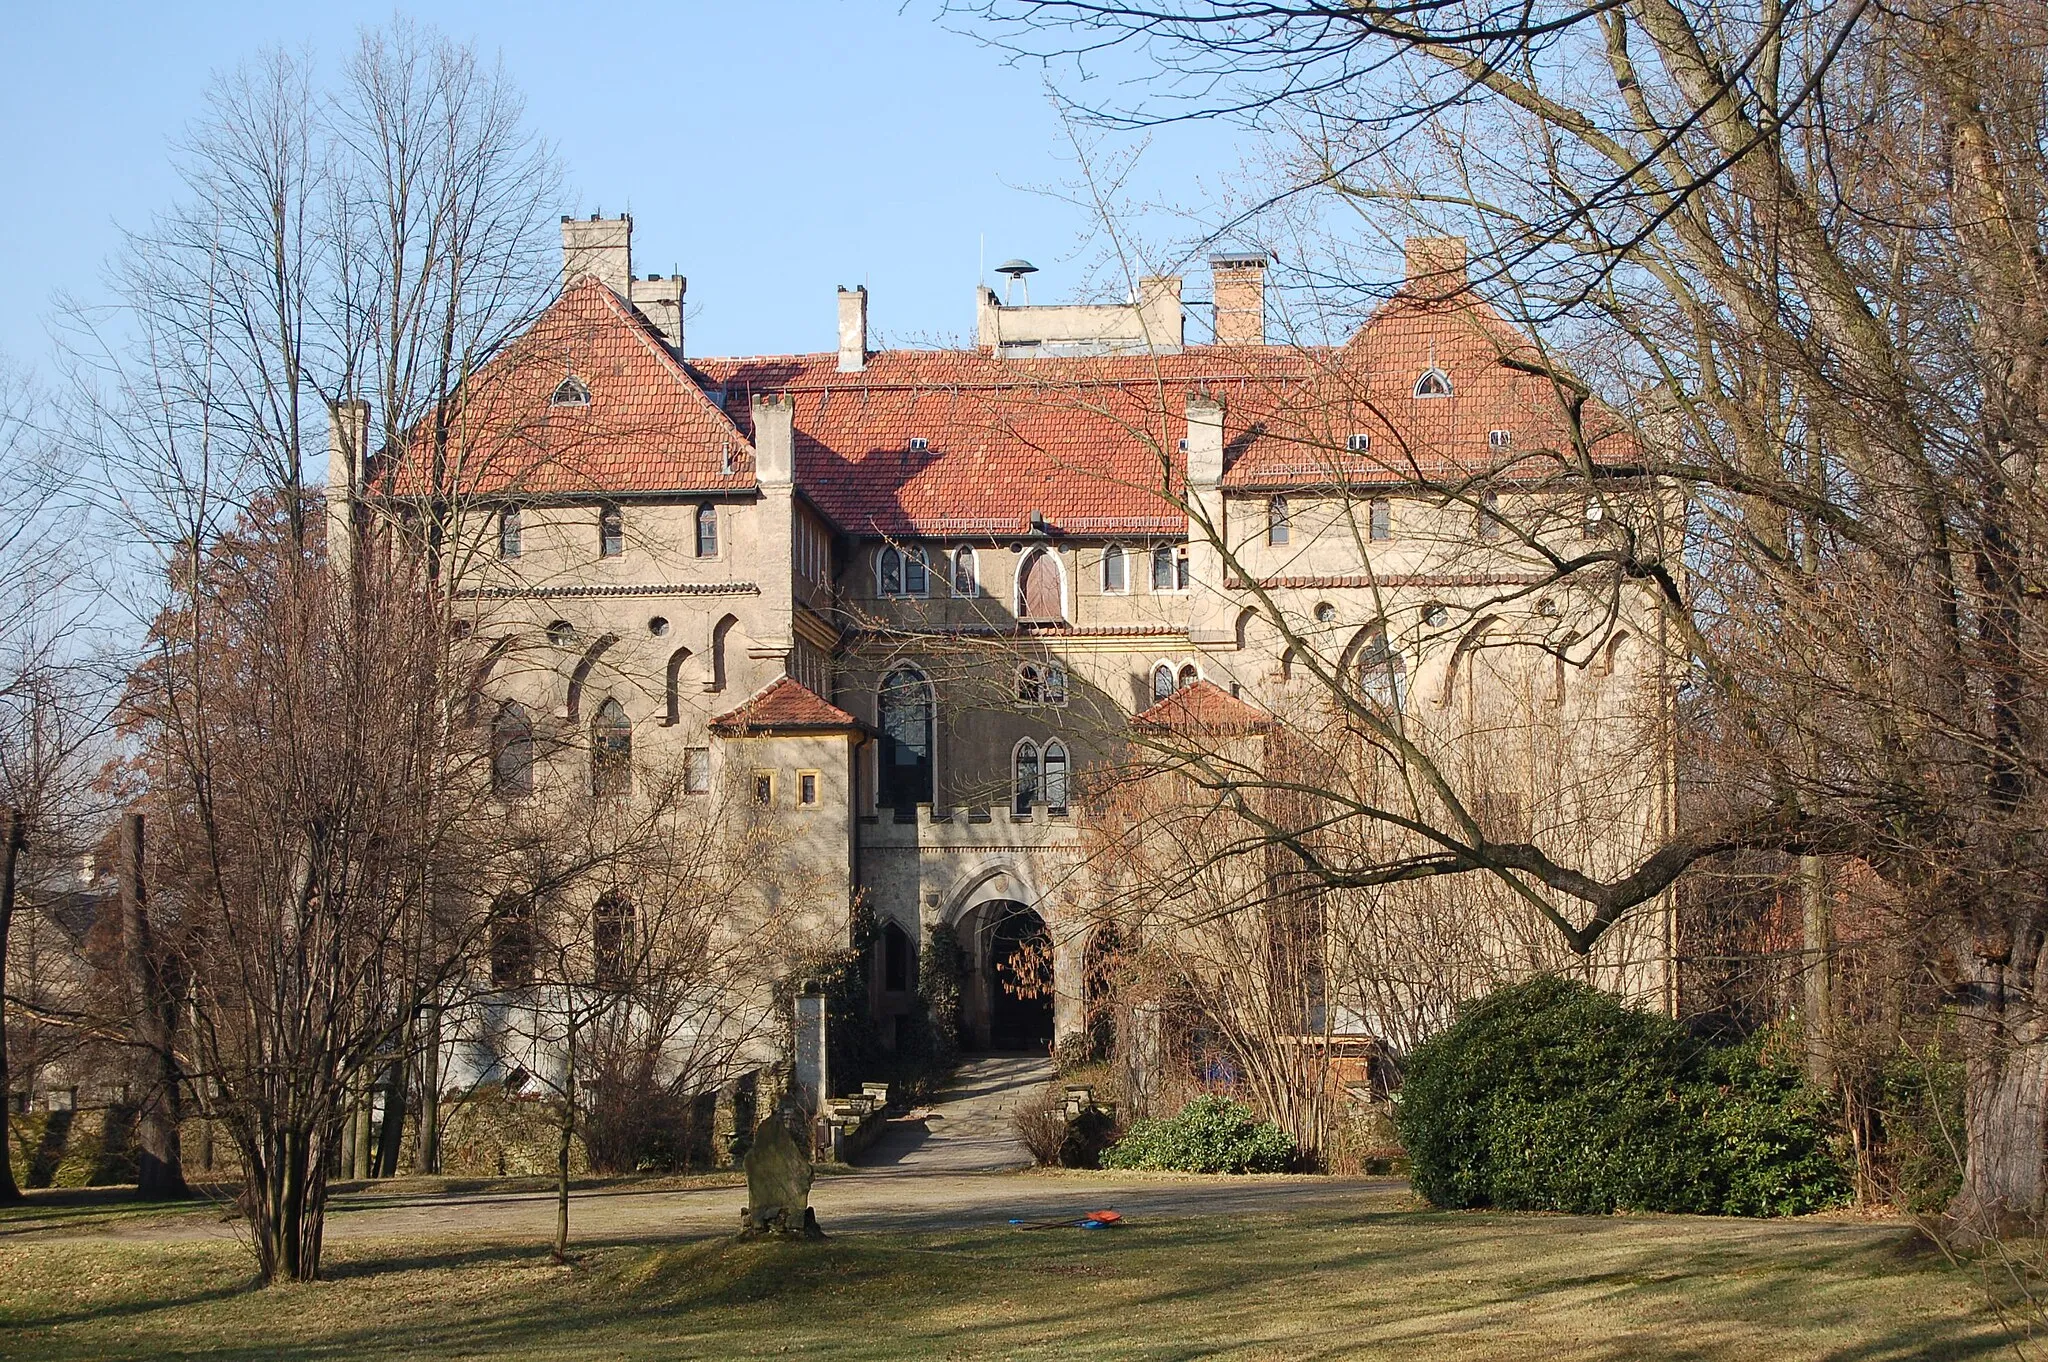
<point>1209,1135</point>
<point>1555,1096</point>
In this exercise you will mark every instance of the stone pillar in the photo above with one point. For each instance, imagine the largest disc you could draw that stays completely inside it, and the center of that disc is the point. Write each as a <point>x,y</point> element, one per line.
<point>601,246</point>
<point>810,1078</point>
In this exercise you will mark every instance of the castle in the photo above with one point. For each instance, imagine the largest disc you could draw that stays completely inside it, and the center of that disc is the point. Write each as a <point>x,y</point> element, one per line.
<point>903,600</point>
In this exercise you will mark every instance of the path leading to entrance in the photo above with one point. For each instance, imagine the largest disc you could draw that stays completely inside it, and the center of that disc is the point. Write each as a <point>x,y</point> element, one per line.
<point>967,1128</point>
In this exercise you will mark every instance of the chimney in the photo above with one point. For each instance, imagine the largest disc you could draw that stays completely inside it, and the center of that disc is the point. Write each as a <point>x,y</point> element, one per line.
<point>1205,440</point>
<point>601,246</point>
<point>348,430</point>
<point>1161,323</point>
<point>853,329</point>
<point>660,301</point>
<point>775,438</point>
<point>1239,285</point>
<point>1436,266</point>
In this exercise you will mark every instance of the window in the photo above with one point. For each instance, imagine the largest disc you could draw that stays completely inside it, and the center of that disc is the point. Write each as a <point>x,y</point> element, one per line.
<point>1326,613</point>
<point>1434,614</point>
<point>1162,682</point>
<point>889,573</point>
<point>1595,513</point>
<point>1030,686</point>
<point>611,751</point>
<point>904,709</point>
<point>1358,442</point>
<point>611,532</point>
<point>1500,439</point>
<point>1433,383</point>
<point>1041,591</point>
<point>919,444</point>
<point>696,770</point>
<point>1489,516</point>
<point>514,942</point>
<point>898,960</point>
<point>915,581</point>
<point>611,941</point>
<point>707,531</point>
<point>764,789</point>
<point>1382,675</point>
<point>1054,779</point>
<point>1055,692</point>
<point>657,625</point>
<point>966,573</point>
<point>562,634</point>
<point>1115,578</point>
<point>570,392</point>
<point>1170,567</point>
<point>510,538</point>
<point>1276,521</point>
<point>1188,676</point>
<point>512,751</point>
<point>807,789</point>
<point>1379,513</point>
<point>1024,770</point>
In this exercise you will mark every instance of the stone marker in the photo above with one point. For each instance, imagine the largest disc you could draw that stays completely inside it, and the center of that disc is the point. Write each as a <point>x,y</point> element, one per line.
<point>778,1186</point>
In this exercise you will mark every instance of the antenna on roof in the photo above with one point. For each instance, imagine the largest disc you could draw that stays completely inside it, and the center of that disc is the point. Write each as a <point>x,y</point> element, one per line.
<point>1014,271</point>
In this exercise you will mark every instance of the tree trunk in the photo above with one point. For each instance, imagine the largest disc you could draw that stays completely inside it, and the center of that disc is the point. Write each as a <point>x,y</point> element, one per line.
<point>13,836</point>
<point>366,1101</point>
<point>568,1135</point>
<point>2006,1116</point>
<point>159,1158</point>
<point>1817,1007</point>
<point>286,1193</point>
<point>426,1156</point>
<point>391,1134</point>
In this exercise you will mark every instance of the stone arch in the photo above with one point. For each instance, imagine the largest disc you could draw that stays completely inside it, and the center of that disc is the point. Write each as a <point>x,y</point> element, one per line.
<point>673,712</point>
<point>1461,657</point>
<point>1041,592</point>
<point>581,676</point>
<point>721,659</point>
<point>494,653</point>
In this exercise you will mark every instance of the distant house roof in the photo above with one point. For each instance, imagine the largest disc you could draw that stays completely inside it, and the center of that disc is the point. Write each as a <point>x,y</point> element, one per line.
<point>1203,707</point>
<point>784,706</point>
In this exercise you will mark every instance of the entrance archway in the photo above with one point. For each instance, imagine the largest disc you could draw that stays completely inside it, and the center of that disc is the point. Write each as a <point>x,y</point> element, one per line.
<point>1019,978</point>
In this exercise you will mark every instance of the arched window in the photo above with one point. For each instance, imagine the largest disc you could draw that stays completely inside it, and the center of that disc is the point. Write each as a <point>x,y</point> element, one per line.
<point>1382,675</point>
<point>889,572</point>
<point>1030,684</point>
<point>1162,682</point>
<point>611,941</point>
<point>511,537</point>
<point>674,710</point>
<point>899,961</point>
<point>1055,778</point>
<point>512,751</point>
<point>562,634</point>
<point>1188,676</point>
<point>570,392</point>
<point>514,941</point>
<point>1040,592</point>
<point>1055,688</point>
<point>905,710</point>
<point>1276,521</point>
<point>720,633</point>
<point>1433,383</point>
<point>1024,768</point>
<point>916,581</point>
<point>1115,572</point>
<point>611,532</point>
<point>611,751</point>
<point>707,531</point>
<point>966,572</point>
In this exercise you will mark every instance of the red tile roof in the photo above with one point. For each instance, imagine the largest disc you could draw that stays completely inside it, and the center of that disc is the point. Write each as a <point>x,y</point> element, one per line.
<point>1202,707</point>
<point>785,706</point>
<point>647,428</point>
<point>1092,443</point>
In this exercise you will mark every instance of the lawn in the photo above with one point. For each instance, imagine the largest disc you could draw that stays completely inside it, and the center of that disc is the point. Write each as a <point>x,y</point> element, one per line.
<point>1404,1284</point>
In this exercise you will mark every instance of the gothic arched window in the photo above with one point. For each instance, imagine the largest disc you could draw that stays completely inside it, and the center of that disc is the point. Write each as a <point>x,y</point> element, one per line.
<point>1382,675</point>
<point>611,941</point>
<point>611,751</point>
<point>707,531</point>
<point>1054,777</point>
<point>966,572</point>
<point>611,532</point>
<point>1024,767</point>
<point>905,711</point>
<point>1162,682</point>
<point>514,941</point>
<point>1115,571</point>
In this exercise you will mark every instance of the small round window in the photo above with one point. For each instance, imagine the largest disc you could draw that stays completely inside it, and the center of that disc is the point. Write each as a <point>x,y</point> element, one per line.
<point>658,626</point>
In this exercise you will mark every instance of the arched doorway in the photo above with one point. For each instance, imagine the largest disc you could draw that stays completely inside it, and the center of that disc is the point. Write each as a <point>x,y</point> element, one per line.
<point>1019,979</point>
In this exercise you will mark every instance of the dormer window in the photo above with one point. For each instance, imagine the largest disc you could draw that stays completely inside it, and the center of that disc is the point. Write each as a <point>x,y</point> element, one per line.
<point>919,444</point>
<point>1433,383</point>
<point>1500,439</point>
<point>1359,442</point>
<point>570,392</point>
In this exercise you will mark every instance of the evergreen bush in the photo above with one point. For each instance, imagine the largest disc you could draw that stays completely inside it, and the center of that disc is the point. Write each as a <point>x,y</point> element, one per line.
<point>1211,1134</point>
<point>1555,1096</point>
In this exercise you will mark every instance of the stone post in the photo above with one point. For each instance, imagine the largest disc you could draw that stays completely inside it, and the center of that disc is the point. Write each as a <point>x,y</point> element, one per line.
<point>810,1080</point>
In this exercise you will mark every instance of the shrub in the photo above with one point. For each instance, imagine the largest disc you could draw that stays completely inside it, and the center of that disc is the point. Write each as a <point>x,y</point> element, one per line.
<point>1041,1122</point>
<point>1555,1096</point>
<point>1209,1135</point>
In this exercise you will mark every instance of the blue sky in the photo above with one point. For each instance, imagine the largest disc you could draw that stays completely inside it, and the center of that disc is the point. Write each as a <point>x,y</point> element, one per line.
<point>770,151</point>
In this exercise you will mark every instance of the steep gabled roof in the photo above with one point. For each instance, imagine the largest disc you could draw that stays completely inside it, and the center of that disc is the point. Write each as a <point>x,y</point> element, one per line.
<point>1203,707</point>
<point>784,706</point>
<point>647,426</point>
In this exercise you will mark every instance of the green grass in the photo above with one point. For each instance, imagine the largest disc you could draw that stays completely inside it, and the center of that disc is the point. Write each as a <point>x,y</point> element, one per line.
<point>1410,1285</point>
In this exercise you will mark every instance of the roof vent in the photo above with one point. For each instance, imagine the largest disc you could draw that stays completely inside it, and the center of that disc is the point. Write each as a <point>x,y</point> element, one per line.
<point>919,444</point>
<point>1014,271</point>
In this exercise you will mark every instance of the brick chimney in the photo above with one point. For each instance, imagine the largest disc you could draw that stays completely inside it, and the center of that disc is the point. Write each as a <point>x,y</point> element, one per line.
<point>853,329</point>
<point>601,246</point>
<point>1436,266</point>
<point>1239,285</point>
